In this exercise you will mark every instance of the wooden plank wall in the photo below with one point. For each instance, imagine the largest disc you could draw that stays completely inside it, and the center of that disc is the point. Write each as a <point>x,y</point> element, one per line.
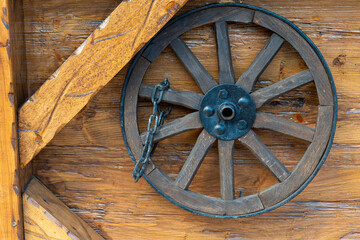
<point>87,165</point>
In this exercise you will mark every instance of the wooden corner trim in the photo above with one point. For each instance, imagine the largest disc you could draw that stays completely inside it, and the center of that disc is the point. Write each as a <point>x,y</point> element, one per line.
<point>45,216</point>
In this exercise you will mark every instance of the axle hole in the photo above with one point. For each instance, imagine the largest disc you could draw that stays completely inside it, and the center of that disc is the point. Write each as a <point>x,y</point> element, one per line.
<point>227,112</point>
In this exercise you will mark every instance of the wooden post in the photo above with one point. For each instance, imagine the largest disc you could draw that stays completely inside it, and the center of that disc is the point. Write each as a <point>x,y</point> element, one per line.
<point>12,91</point>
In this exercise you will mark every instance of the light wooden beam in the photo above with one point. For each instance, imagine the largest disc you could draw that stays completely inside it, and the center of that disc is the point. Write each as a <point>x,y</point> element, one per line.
<point>46,217</point>
<point>89,69</point>
<point>11,91</point>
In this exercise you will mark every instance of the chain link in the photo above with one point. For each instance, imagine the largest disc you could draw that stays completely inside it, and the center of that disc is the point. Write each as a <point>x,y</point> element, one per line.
<point>156,120</point>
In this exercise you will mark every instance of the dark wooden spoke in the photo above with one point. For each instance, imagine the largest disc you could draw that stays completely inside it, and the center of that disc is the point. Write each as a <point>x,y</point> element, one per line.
<point>252,141</point>
<point>308,162</point>
<point>262,60</point>
<point>278,124</point>
<point>180,125</point>
<point>202,77</point>
<point>307,52</point>
<point>226,149</point>
<point>194,160</point>
<point>186,99</point>
<point>266,94</point>
<point>226,72</point>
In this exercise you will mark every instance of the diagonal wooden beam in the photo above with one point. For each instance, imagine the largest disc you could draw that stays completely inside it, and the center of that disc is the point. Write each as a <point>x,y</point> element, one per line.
<point>12,91</point>
<point>46,217</point>
<point>88,69</point>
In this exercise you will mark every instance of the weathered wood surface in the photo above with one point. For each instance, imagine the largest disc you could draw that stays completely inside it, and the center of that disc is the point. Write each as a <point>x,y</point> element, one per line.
<point>248,79</point>
<point>226,165</point>
<point>187,99</point>
<point>252,141</point>
<point>12,91</point>
<point>46,217</point>
<point>194,160</point>
<point>305,50</point>
<point>281,125</point>
<point>226,71</point>
<point>180,125</point>
<point>312,156</point>
<point>87,166</point>
<point>98,59</point>
<point>275,90</point>
<point>202,77</point>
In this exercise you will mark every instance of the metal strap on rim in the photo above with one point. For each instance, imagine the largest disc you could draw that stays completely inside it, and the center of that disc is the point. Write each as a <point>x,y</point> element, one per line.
<point>156,120</point>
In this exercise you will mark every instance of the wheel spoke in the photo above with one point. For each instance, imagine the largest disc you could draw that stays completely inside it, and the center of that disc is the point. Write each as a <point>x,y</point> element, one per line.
<point>186,99</point>
<point>202,77</point>
<point>262,60</point>
<point>252,141</point>
<point>194,160</point>
<point>180,125</point>
<point>226,149</point>
<point>266,94</point>
<point>268,121</point>
<point>226,72</point>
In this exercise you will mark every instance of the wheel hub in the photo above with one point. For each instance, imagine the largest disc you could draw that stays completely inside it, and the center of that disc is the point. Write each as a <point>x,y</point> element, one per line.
<point>227,111</point>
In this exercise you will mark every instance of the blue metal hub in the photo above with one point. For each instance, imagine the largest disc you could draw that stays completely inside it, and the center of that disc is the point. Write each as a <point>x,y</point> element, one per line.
<point>227,111</point>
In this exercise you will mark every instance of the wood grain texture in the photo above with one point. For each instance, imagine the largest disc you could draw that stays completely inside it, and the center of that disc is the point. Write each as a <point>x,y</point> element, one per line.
<point>204,79</point>
<point>267,94</point>
<point>251,140</point>
<point>16,51</point>
<point>11,92</point>
<point>226,165</point>
<point>180,125</point>
<point>226,71</point>
<point>316,149</point>
<point>203,203</point>
<point>46,217</point>
<point>186,99</point>
<point>306,52</point>
<point>267,121</point>
<point>193,162</point>
<point>248,79</point>
<point>241,15</point>
<point>104,53</point>
<point>87,166</point>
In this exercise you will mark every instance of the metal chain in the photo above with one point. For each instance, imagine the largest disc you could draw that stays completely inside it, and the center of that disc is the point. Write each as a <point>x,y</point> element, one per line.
<point>156,120</point>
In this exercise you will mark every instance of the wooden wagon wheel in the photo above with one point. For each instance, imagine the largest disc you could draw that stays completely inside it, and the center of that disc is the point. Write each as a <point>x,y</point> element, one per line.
<point>228,111</point>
